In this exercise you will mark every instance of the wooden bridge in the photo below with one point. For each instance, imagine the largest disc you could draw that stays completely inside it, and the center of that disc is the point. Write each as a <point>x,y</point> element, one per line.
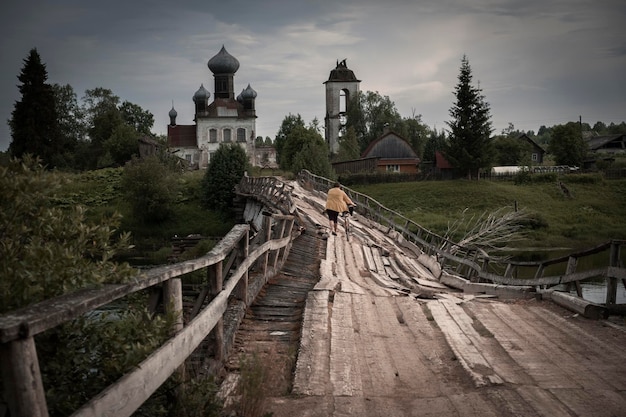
<point>398,321</point>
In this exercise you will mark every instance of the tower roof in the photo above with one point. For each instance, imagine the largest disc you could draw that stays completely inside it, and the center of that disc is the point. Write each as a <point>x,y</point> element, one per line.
<point>342,73</point>
<point>248,92</point>
<point>223,63</point>
<point>201,94</point>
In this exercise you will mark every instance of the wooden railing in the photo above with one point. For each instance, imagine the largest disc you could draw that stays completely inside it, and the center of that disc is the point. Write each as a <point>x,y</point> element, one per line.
<point>269,190</point>
<point>228,266</point>
<point>476,265</point>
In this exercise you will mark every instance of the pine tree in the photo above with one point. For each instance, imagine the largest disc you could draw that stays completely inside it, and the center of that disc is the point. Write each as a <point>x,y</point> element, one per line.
<point>34,123</point>
<point>469,147</point>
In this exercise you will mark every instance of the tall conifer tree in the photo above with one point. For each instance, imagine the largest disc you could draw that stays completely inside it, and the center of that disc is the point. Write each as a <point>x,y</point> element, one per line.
<point>469,147</point>
<point>34,123</point>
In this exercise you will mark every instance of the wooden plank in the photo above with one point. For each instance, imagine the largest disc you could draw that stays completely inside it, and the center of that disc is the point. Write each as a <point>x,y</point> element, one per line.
<point>344,370</point>
<point>311,372</point>
<point>369,259</point>
<point>378,260</point>
<point>466,352</point>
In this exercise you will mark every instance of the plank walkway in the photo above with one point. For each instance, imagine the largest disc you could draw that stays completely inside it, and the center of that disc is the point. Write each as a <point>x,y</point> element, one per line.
<point>380,336</point>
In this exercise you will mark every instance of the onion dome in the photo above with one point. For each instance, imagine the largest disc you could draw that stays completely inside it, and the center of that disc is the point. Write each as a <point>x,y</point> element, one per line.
<point>223,63</point>
<point>248,93</point>
<point>240,96</point>
<point>201,94</point>
<point>173,113</point>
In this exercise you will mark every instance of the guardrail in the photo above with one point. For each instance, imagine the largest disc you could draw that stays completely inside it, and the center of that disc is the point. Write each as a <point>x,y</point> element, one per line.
<point>474,263</point>
<point>228,281</point>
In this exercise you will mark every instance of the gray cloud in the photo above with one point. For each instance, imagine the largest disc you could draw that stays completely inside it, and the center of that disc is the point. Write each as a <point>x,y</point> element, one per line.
<point>538,62</point>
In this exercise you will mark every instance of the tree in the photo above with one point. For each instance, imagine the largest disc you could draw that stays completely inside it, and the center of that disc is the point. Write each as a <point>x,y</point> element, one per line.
<point>226,168</point>
<point>567,145</point>
<point>436,142</point>
<point>348,146</point>
<point>133,115</point>
<point>313,157</point>
<point>123,144</point>
<point>368,114</point>
<point>150,188</point>
<point>415,132</point>
<point>34,121</point>
<point>469,147</point>
<point>511,150</point>
<point>73,129</point>
<point>301,144</point>
<point>289,123</point>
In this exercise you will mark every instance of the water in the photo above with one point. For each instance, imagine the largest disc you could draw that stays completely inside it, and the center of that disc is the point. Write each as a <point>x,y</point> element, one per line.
<point>596,292</point>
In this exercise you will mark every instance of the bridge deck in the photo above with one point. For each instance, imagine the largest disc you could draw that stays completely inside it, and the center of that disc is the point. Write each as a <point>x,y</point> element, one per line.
<point>381,337</point>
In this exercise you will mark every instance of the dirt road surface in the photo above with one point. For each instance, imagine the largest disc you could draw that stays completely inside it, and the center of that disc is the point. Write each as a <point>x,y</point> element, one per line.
<point>380,336</point>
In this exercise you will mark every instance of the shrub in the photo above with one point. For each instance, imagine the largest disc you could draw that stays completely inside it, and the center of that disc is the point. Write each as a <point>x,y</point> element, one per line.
<point>150,187</point>
<point>227,166</point>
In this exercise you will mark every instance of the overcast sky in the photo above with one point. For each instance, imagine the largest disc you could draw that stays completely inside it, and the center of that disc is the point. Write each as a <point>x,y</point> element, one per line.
<point>538,62</point>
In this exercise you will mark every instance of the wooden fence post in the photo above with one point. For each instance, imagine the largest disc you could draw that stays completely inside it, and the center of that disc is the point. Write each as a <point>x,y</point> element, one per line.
<point>611,282</point>
<point>22,378</point>
<point>216,285</point>
<point>242,251</point>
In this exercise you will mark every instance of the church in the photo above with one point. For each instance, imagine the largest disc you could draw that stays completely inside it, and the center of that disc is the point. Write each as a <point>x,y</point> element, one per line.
<point>228,119</point>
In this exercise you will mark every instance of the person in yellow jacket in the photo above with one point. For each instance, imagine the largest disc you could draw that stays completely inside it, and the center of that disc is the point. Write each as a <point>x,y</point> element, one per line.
<point>336,202</point>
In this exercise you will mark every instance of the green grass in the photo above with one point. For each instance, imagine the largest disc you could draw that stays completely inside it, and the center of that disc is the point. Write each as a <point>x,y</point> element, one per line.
<point>595,213</point>
<point>100,191</point>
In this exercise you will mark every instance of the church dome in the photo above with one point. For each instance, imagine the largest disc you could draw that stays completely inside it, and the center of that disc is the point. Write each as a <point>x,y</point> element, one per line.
<point>201,94</point>
<point>173,112</point>
<point>223,63</point>
<point>248,93</point>
<point>240,96</point>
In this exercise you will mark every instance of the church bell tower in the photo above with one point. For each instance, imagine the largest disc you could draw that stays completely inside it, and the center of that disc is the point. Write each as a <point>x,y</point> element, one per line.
<point>341,87</point>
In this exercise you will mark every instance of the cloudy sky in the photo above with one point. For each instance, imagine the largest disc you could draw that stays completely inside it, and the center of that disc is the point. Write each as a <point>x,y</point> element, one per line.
<point>538,62</point>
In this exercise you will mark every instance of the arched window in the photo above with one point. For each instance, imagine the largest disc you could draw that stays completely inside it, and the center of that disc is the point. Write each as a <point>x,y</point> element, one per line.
<point>213,135</point>
<point>227,135</point>
<point>241,134</point>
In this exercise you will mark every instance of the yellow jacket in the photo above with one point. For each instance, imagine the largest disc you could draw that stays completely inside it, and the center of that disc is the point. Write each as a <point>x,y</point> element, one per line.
<point>337,200</point>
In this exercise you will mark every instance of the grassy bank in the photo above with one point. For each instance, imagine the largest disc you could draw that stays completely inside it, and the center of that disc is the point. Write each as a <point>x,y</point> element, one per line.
<point>100,191</point>
<point>594,211</point>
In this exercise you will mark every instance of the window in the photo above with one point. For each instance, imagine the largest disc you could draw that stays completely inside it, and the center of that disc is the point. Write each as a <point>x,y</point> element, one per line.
<point>393,168</point>
<point>188,158</point>
<point>227,134</point>
<point>535,157</point>
<point>241,135</point>
<point>213,135</point>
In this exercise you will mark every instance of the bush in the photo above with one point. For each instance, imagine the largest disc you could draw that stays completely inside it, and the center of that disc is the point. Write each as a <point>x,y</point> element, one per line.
<point>227,166</point>
<point>151,189</point>
<point>47,249</point>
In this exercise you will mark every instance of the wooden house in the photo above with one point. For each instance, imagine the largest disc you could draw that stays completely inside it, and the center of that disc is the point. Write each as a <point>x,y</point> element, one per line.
<point>537,152</point>
<point>607,144</point>
<point>393,154</point>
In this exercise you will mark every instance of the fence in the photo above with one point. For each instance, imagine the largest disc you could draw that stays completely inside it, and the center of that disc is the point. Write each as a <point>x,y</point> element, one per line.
<point>228,266</point>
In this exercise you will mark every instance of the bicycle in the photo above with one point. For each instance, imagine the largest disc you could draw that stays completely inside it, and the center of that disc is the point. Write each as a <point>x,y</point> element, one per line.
<point>346,221</point>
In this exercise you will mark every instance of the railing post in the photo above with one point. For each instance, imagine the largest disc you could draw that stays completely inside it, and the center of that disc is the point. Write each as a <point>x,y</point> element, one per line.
<point>242,251</point>
<point>611,282</point>
<point>572,263</point>
<point>216,285</point>
<point>268,235</point>
<point>173,301</point>
<point>22,378</point>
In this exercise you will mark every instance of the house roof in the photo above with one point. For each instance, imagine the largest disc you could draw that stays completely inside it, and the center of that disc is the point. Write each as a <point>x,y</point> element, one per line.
<point>179,136</point>
<point>389,146</point>
<point>532,142</point>
<point>441,162</point>
<point>597,142</point>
